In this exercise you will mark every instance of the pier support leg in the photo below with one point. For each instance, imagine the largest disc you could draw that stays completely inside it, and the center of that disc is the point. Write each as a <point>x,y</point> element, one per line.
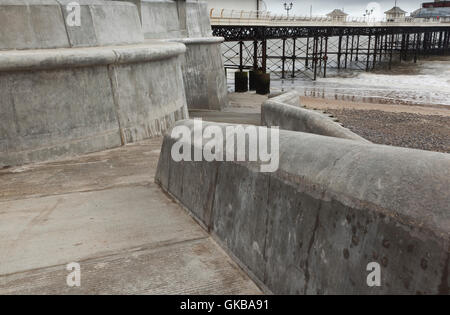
<point>307,53</point>
<point>375,52</point>
<point>264,56</point>
<point>346,51</point>
<point>255,55</point>
<point>283,60</point>
<point>368,53</point>
<point>316,47</point>
<point>416,46</point>
<point>325,58</point>
<point>351,49</point>
<point>241,56</point>
<point>294,56</point>
<point>339,52</point>
<point>391,51</point>
<point>406,47</point>
<point>357,48</point>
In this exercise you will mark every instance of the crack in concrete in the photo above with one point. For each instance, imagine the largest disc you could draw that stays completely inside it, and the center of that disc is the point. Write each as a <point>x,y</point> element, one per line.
<point>311,243</point>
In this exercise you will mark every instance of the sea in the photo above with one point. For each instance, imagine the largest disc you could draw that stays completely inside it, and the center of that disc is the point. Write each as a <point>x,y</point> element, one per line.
<point>426,82</point>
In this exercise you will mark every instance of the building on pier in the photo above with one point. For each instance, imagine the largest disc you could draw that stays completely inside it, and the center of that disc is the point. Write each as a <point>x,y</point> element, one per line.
<point>395,14</point>
<point>338,15</point>
<point>433,10</point>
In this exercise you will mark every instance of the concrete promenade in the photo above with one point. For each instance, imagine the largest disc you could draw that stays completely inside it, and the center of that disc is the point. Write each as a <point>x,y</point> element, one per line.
<point>104,211</point>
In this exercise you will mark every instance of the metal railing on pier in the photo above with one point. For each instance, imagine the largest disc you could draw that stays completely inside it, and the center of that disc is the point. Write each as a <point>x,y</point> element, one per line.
<point>266,18</point>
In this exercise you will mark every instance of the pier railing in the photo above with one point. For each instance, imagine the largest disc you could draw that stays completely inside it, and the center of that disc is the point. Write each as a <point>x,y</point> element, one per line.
<point>266,18</point>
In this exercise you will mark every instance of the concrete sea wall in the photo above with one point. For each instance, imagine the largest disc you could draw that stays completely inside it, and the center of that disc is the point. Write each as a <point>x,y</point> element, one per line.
<point>333,207</point>
<point>41,24</point>
<point>203,73</point>
<point>61,103</point>
<point>67,90</point>
<point>188,22</point>
<point>286,112</point>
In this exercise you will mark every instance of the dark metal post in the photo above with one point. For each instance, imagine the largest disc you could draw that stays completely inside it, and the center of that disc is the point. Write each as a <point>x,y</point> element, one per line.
<point>255,55</point>
<point>316,48</point>
<point>357,48</point>
<point>307,53</point>
<point>391,53</point>
<point>241,57</point>
<point>351,49</point>
<point>283,60</point>
<point>416,50</point>
<point>294,48</point>
<point>325,58</point>
<point>375,51</point>
<point>368,53</point>
<point>339,52</point>
<point>402,48</point>
<point>264,56</point>
<point>406,47</point>
<point>346,51</point>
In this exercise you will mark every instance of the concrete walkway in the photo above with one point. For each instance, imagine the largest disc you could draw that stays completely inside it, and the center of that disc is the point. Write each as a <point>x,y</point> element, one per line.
<point>104,212</point>
<point>245,108</point>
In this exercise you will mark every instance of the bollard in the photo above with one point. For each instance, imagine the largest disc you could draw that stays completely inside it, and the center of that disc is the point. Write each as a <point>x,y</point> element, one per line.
<point>263,83</point>
<point>253,79</point>
<point>241,82</point>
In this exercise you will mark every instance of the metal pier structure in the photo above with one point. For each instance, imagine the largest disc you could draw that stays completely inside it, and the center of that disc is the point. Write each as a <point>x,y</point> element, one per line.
<point>311,47</point>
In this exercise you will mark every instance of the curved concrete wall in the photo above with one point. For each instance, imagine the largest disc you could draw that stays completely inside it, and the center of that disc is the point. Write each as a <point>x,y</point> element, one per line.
<point>203,73</point>
<point>162,19</point>
<point>188,22</point>
<point>64,98</point>
<point>333,207</point>
<point>40,24</point>
<point>285,112</point>
<point>63,102</point>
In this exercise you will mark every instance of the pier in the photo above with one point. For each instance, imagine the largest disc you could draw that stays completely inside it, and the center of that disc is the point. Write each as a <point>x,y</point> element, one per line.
<point>310,46</point>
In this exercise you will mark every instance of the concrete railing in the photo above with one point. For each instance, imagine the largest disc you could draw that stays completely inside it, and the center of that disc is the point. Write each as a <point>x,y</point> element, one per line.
<point>333,209</point>
<point>266,18</point>
<point>284,111</point>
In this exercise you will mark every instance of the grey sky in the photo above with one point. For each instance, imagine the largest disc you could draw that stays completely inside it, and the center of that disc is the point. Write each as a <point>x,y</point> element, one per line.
<point>353,7</point>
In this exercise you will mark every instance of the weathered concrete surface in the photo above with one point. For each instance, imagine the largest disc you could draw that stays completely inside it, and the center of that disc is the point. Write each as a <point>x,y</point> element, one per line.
<point>162,19</point>
<point>40,24</point>
<point>246,116</point>
<point>285,112</point>
<point>333,207</point>
<point>203,74</point>
<point>104,211</point>
<point>112,96</point>
<point>188,22</point>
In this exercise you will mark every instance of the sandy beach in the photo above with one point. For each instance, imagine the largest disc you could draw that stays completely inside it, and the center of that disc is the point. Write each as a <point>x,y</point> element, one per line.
<point>425,127</point>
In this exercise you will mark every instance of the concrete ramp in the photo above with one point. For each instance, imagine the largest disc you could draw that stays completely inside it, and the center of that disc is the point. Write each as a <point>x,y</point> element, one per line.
<point>104,212</point>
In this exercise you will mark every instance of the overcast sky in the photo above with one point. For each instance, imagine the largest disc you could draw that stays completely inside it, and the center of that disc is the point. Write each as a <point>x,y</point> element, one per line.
<point>353,7</point>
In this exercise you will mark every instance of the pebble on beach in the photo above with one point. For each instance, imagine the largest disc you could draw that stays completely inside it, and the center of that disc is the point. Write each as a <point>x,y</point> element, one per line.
<point>424,132</point>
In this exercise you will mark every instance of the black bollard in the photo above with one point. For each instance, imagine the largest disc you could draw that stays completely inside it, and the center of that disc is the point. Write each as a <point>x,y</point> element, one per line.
<point>253,79</point>
<point>240,82</point>
<point>263,83</point>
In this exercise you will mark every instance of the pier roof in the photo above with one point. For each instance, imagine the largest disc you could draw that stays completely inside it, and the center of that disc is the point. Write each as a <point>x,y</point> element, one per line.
<point>337,13</point>
<point>396,10</point>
